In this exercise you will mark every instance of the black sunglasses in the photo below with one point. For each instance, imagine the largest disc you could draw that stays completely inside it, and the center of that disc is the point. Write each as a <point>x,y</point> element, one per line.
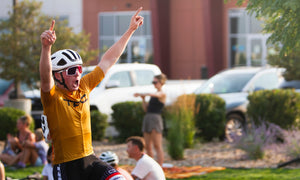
<point>154,82</point>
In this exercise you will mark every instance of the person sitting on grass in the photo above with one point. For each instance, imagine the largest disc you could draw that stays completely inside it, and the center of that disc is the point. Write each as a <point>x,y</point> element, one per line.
<point>34,153</point>
<point>15,145</point>
<point>146,167</point>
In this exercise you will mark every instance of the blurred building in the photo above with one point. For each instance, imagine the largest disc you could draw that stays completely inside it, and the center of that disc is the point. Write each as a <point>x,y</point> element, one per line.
<point>63,9</point>
<point>185,38</point>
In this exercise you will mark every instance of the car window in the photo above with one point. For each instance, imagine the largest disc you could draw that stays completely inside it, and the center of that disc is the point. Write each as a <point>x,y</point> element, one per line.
<point>293,84</point>
<point>144,77</point>
<point>225,83</point>
<point>4,85</point>
<point>267,80</point>
<point>122,79</point>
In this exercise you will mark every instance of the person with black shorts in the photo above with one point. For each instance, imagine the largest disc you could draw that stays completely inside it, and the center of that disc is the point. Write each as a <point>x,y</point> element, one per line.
<point>152,127</point>
<point>65,99</point>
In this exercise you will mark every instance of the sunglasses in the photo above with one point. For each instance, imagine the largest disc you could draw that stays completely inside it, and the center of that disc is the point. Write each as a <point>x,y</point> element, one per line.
<point>71,71</point>
<point>154,82</point>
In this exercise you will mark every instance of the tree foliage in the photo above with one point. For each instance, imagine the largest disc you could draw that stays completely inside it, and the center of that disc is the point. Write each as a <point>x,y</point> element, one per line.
<point>282,21</point>
<point>20,45</point>
<point>290,62</point>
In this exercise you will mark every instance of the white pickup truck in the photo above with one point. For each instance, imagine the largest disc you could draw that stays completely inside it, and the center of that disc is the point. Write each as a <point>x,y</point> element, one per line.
<point>123,80</point>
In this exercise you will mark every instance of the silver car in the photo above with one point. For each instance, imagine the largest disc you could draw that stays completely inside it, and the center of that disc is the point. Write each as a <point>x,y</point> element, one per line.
<point>234,85</point>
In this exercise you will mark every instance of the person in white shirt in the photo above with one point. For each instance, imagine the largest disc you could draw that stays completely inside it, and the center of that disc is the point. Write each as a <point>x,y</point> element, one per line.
<point>146,167</point>
<point>48,168</point>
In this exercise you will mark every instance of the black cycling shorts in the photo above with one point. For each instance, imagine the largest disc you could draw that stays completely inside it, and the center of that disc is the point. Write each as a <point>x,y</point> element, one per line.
<point>89,167</point>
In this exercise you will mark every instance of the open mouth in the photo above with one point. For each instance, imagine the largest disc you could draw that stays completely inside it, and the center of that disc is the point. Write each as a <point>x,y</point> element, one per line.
<point>76,83</point>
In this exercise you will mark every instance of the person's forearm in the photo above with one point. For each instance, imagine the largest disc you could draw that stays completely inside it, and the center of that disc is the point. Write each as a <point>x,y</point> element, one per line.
<point>48,38</point>
<point>18,145</point>
<point>145,104</point>
<point>111,56</point>
<point>45,68</point>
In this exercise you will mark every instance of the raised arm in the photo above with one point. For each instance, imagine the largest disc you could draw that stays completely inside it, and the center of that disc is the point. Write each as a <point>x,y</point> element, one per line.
<point>48,38</point>
<point>160,95</point>
<point>111,56</point>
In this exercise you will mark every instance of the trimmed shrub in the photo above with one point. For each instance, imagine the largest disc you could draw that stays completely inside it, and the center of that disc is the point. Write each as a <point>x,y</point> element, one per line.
<point>210,117</point>
<point>181,125</point>
<point>99,125</point>
<point>8,121</point>
<point>279,106</point>
<point>127,117</point>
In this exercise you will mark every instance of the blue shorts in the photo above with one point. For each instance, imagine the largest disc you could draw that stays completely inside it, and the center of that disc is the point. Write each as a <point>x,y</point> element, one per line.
<point>8,150</point>
<point>38,162</point>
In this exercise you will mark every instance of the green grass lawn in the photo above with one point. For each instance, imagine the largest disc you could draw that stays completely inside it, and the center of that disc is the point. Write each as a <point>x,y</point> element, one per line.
<point>255,174</point>
<point>228,174</point>
<point>21,173</point>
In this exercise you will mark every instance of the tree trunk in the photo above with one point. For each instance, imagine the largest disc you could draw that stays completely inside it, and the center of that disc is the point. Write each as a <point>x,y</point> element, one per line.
<point>17,93</point>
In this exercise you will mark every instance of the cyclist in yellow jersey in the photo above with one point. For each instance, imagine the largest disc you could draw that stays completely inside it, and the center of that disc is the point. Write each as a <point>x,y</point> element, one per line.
<point>65,98</point>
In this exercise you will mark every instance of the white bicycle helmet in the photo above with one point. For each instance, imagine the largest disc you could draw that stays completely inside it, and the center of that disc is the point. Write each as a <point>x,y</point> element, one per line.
<point>109,157</point>
<point>65,58</point>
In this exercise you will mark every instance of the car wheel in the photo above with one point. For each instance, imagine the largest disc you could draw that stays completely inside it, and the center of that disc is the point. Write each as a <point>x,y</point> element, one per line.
<point>234,127</point>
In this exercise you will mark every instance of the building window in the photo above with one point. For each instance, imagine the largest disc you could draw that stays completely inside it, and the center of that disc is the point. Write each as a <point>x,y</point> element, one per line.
<point>247,43</point>
<point>112,25</point>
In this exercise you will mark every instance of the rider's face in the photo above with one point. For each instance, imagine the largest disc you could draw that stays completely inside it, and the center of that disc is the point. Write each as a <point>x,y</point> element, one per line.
<point>72,82</point>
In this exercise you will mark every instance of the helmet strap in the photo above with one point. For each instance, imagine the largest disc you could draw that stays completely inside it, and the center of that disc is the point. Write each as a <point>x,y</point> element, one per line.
<point>61,82</point>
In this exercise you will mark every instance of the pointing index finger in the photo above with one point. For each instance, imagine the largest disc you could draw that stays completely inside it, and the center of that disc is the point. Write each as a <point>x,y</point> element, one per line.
<point>52,25</point>
<point>138,11</point>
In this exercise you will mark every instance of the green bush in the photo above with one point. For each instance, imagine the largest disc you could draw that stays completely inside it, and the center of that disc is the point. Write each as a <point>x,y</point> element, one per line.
<point>99,125</point>
<point>280,106</point>
<point>210,116</point>
<point>175,135</point>
<point>127,117</point>
<point>8,121</point>
<point>181,125</point>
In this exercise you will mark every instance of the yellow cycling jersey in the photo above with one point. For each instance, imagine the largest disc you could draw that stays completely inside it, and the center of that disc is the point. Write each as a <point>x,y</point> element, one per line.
<point>68,116</point>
